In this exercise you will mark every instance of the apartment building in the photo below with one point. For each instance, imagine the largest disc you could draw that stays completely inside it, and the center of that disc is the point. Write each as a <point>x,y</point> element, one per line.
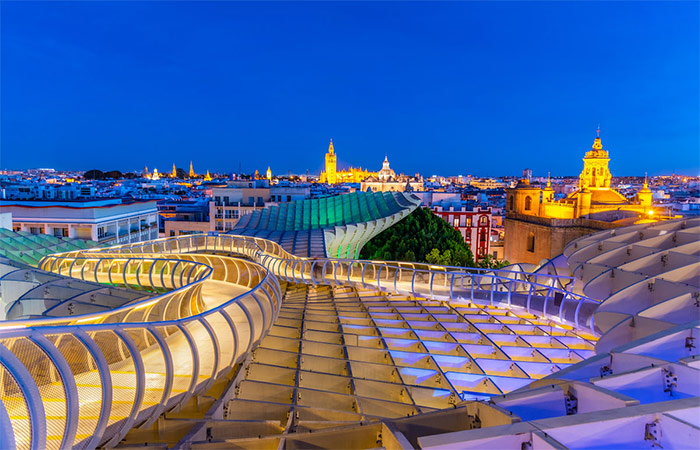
<point>110,221</point>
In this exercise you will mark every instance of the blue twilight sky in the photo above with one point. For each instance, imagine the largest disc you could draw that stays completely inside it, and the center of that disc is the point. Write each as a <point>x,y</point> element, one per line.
<point>483,88</point>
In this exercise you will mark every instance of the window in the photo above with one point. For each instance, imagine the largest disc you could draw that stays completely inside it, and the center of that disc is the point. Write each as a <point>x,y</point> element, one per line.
<point>100,232</point>
<point>510,203</point>
<point>289,198</point>
<point>60,232</point>
<point>172,233</point>
<point>469,221</point>
<point>531,242</point>
<point>528,203</point>
<point>235,214</point>
<point>484,220</point>
<point>456,222</point>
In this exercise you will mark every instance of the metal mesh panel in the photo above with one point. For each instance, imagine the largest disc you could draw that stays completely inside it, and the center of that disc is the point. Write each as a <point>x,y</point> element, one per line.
<point>154,367</point>
<point>123,373</point>
<point>182,360</point>
<point>50,384</point>
<point>16,406</point>
<point>204,348</point>
<point>87,379</point>
<point>224,335</point>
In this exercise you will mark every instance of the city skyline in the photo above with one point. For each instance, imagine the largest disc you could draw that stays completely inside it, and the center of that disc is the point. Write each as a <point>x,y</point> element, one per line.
<point>448,88</point>
<point>243,170</point>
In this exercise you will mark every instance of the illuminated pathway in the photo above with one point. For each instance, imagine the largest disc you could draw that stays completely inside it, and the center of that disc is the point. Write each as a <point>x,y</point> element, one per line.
<point>370,341</point>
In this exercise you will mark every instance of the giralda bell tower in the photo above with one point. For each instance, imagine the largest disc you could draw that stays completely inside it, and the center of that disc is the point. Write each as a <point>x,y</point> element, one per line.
<point>331,177</point>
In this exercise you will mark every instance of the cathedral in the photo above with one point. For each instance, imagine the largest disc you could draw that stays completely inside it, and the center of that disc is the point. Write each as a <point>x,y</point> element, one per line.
<point>538,227</point>
<point>386,180</point>
<point>332,176</point>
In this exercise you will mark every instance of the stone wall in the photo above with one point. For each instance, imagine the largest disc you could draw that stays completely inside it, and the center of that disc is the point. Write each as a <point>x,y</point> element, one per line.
<point>550,235</point>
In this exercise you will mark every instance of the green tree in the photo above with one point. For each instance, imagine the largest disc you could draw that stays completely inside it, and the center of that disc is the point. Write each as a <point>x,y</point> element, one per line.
<point>489,262</point>
<point>433,257</point>
<point>420,237</point>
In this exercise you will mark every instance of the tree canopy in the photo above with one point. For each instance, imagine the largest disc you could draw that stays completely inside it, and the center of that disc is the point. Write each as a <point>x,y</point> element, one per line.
<point>420,237</point>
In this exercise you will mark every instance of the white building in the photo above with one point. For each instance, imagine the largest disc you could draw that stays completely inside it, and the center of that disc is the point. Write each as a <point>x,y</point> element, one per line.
<point>387,181</point>
<point>110,221</point>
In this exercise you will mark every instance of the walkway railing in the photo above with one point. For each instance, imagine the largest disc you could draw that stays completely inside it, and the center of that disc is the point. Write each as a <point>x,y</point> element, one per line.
<point>84,380</point>
<point>536,293</point>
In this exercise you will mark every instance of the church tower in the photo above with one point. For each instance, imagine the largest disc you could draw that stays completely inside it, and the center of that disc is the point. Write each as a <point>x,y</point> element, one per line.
<point>548,192</point>
<point>268,174</point>
<point>173,174</point>
<point>595,174</point>
<point>192,174</point>
<point>644,196</point>
<point>331,161</point>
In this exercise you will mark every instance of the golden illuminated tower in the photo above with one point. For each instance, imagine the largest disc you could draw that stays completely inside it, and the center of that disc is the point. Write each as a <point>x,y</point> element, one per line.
<point>644,196</point>
<point>192,174</point>
<point>207,177</point>
<point>268,174</point>
<point>331,161</point>
<point>548,192</point>
<point>595,174</point>
<point>173,174</point>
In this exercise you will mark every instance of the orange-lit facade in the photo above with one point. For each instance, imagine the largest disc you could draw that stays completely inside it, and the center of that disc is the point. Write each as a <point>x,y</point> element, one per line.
<point>538,226</point>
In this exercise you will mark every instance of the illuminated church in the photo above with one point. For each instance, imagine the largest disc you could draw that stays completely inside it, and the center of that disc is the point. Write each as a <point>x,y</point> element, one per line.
<point>332,176</point>
<point>538,227</point>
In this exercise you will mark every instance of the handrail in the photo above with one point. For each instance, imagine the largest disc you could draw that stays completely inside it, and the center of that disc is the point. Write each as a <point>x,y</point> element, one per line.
<point>515,289</point>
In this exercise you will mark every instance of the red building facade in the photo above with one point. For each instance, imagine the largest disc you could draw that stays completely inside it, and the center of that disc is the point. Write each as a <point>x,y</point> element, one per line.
<point>474,225</point>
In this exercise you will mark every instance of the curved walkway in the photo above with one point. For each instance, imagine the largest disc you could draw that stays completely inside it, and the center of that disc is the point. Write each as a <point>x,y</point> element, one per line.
<point>83,381</point>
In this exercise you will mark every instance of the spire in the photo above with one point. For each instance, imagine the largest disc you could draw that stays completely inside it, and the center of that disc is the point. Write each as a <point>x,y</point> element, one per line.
<point>597,144</point>
<point>330,147</point>
<point>173,174</point>
<point>549,182</point>
<point>192,174</point>
<point>646,185</point>
<point>207,177</point>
